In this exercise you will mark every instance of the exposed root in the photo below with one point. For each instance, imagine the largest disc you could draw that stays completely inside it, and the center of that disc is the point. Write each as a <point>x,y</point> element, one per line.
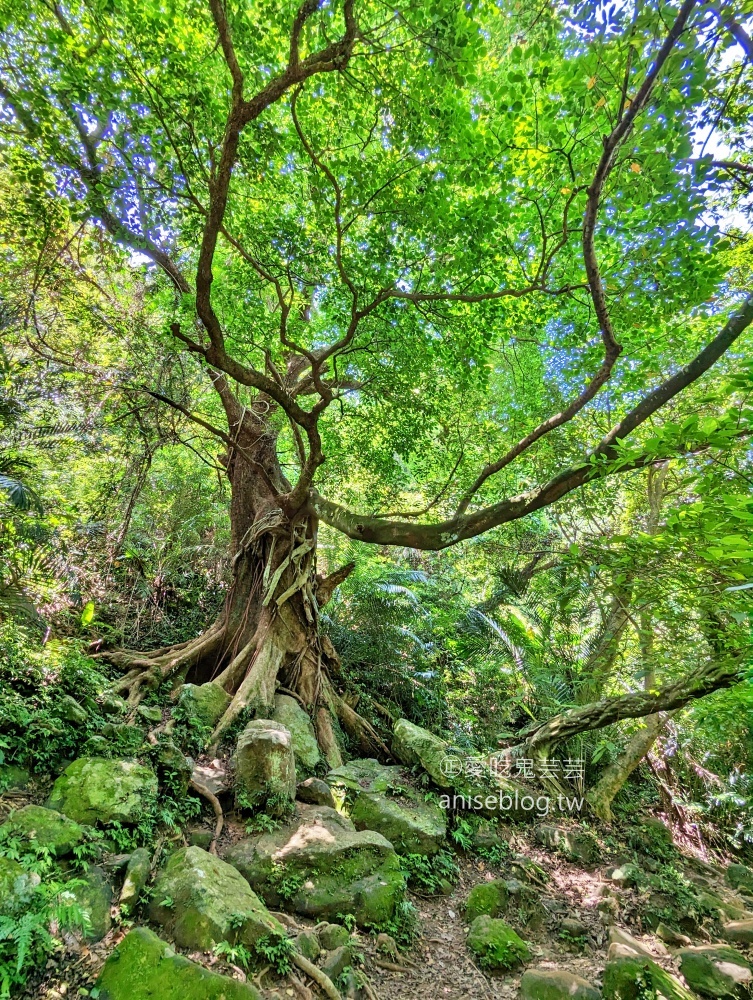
<point>215,803</point>
<point>319,977</point>
<point>257,688</point>
<point>325,737</point>
<point>301,990</point>
<point>149,670</point>
<point>361,731</point>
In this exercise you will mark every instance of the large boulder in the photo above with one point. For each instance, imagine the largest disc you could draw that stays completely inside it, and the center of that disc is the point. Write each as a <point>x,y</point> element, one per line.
<point>716,971</point>
<point>487,899</point>
<point>486,794</point>
<point>317,864</point>
<point>17,887</point>
<point>265,767</point>
<point>632,977</point>
<point>44,828</point>
<point>739,932</point>
<point>201,900</point>
<point>93,893</point>
<point>555,984</point>
<point>290,714</point>
<point>381,798</point>
<point>315,792</point>
<point>496,945</point>
<point>143,967</point>
<point>95,789</point>
<point>206,703</point>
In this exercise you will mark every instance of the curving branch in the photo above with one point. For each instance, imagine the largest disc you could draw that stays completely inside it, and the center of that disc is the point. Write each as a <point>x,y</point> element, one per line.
<point>457,528</point>
<point>612,349</point>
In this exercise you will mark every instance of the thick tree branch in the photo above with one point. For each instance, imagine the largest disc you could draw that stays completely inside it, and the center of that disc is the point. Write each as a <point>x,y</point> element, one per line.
<point>446,533</point>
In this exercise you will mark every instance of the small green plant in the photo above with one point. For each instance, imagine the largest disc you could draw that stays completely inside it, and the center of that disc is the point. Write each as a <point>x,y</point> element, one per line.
<point>277,951</point>
<point>26,940</point>
<point>348,921</point>
<point>285,883</point>
<point>262,823</point>
<point>168,901</point>
<point>234,954</point>
<point>430,875</point>
<point>403,924</point>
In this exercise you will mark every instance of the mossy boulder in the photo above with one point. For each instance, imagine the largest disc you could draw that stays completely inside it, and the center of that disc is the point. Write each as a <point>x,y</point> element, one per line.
<point>68,708</point>
<point>204,702</point>
<point>318,865</point>
<point>98,790</point>
<point>45,828</point>
<point>576,845</point>
<point>13,777</point>
<point>496,945</point>
<point>94,897</point>
<point>201,900</point>
<point>333,936</point>
<point>143,967</point>
<point>739,877</point>
<point>487,899</point>
<point>17,887</point>
<point>125,737</point>
<point>335,962</point>
<point>524,906</point>
<point>315,792</point>
<point>716,971</point>
<point>489,794</point>
<point>307,944</point>
<point>265,776</point>
<point>739,932</point>
<point>290,714</point>
<point>555,984</point>
<point>632,977</point>
<point>136,877</point>
<point>382,798</point>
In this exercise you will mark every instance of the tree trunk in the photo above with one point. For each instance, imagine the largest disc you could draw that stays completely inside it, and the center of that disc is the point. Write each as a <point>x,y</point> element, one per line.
<point>602,795</point>
<point>268,633</point>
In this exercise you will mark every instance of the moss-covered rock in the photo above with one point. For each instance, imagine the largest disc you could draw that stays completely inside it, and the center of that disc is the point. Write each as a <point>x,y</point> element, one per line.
<point>265,767</point>
<point>492,795</point>
<point>136,877</point>
<point>315,792</point>
<point>95,789</point>
<point>555,984</point>
<point>17,887</point>
<point>174,767</point>
<point>317,864</point>
<point>143,967</point>
<point>576,845</point>
<point>486,899</point>
<point>204,702</point>
<point>333,936</point>
<point>496,945</point>
<point>631,977</point>
<point>382,798</point>
<point>335,962</point>
<point>739,877</point>
<point>738,931</point>
<point>150,713</point>
<point>68,708</point>
<point>289,713</point>
<point>716,971</point>
<point>125,737</point>
<point>46,828</point>
<point>95,899</point>
<point>13,777</point>
<point>201,900</point>
<point>307,944</point>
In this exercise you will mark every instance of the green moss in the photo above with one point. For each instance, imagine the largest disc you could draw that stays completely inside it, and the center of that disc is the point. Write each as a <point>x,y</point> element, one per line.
<point>486,899</point>
<point>496,945</point>
<point>305,747</point>
<point>636,978</point>
<point>714,970</point>
<point>202,900</point>
<point>17,887</point>
<point>94,789</point>
<point>143,967</point>
<point>206,703</point>
<point>44,827</point>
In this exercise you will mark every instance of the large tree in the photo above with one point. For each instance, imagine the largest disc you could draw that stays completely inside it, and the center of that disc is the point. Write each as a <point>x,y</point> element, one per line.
<point>464,253</point>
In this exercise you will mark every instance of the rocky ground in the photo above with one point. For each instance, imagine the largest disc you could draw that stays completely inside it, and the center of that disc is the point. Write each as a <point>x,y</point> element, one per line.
<point>312,902</point>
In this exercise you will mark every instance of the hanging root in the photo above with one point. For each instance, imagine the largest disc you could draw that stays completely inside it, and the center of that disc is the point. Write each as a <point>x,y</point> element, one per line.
<point>215,803</point>
<point>149,670</point>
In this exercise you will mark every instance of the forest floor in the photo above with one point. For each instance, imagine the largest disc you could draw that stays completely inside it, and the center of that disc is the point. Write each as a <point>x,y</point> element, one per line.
<point>438,964</point>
